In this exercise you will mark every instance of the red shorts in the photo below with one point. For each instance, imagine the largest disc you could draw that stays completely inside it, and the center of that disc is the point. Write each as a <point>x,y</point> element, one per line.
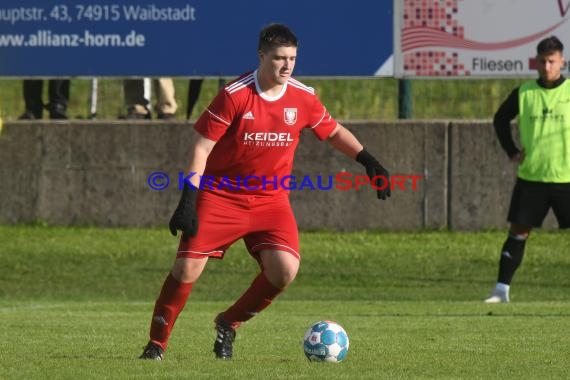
<point>264,222</point>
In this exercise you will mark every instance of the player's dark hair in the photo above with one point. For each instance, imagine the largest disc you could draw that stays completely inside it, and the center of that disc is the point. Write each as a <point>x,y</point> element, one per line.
<point>276,35</point>
<point>549,45</point>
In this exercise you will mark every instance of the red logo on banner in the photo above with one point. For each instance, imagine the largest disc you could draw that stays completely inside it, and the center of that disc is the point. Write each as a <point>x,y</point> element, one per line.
<point>532,64</point>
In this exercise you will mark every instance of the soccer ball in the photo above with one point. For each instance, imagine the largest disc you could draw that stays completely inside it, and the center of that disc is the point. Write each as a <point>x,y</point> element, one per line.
<point>325,341</point>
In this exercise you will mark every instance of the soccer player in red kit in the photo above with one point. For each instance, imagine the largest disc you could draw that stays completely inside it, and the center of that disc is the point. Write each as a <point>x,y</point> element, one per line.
<point>244,145</point>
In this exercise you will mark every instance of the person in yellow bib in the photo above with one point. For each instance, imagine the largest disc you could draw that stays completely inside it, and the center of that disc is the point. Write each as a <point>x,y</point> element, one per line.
<point>543,175</point>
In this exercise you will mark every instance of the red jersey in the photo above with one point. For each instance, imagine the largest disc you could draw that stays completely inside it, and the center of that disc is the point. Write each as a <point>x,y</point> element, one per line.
<point>257,135</point>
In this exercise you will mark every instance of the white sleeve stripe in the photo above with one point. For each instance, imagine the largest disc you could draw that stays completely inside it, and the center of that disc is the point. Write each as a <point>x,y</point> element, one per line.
<point>246,80</point>
<point>301,86</point>
<point>219,118</point>
<point>236,83</point>
<point>321,119</point>
<point>241,85</point>
<point>298,83</point>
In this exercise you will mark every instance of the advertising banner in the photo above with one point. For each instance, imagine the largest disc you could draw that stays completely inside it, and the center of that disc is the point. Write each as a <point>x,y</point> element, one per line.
<point>51,38</point>
<point>474,38</point>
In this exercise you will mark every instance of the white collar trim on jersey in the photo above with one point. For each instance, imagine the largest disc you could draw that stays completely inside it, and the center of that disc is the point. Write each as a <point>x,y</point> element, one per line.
<point>264,95</point>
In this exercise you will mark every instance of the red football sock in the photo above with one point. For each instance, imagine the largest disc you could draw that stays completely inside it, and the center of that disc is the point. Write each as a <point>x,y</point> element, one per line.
<point>257,297</point>
<point>169,304</point>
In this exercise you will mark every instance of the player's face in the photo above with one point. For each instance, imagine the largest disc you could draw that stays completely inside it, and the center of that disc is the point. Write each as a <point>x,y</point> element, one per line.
<point>277,64</point>
<point>549,66</point>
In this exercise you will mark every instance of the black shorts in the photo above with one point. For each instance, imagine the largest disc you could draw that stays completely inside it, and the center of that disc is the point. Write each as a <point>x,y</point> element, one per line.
<point>532,200</point>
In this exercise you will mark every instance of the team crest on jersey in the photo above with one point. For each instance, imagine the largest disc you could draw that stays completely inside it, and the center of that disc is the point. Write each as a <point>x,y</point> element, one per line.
<point>290,115</point>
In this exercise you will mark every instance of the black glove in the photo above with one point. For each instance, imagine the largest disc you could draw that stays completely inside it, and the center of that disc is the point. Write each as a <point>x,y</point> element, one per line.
<point>373,169</point>
<point>185,217</point>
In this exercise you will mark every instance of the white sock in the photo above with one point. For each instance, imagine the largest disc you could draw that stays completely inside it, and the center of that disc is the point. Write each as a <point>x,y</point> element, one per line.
<point>502,288</point>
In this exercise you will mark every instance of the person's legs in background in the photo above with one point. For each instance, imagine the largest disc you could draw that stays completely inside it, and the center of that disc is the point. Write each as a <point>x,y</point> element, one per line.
<point>137,104</point>
<point>165,101</point>
<point>33,99</point>
<point>58,98</point>
<point>194,87</point>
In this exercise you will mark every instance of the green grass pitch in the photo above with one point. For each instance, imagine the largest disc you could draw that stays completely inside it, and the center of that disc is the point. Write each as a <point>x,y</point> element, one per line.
<point>76,303</point>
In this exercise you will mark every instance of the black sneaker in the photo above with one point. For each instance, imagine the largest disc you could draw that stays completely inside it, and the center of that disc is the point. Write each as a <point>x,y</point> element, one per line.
<point>57,112</point>
<point>30,115</point>
<point>225,336</point>
<point>152,352</point>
